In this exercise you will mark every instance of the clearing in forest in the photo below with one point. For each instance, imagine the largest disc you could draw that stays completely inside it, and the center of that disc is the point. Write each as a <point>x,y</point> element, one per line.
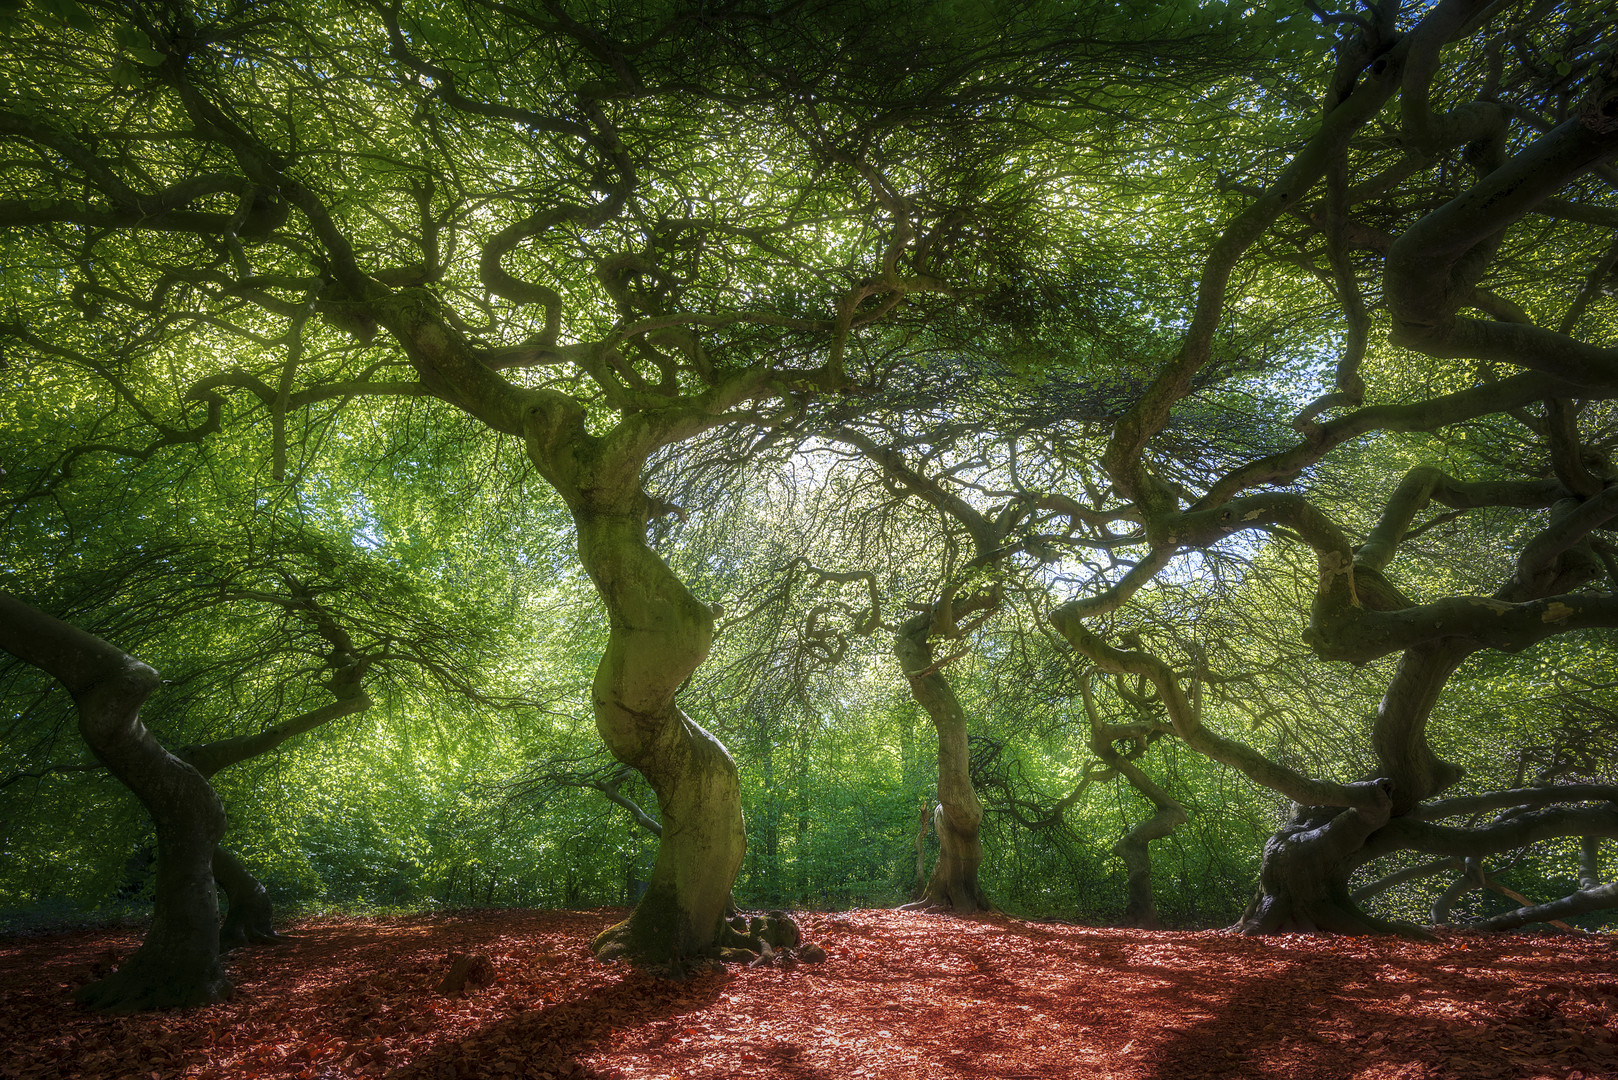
<point>900,995</point>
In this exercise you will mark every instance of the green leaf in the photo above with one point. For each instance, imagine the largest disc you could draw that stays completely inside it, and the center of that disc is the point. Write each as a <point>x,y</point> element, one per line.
<point>69,12</point>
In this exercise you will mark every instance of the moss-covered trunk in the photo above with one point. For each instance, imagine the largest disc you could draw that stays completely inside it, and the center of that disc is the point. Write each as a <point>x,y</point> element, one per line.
<point>958,817</point>
<point>659,634</point>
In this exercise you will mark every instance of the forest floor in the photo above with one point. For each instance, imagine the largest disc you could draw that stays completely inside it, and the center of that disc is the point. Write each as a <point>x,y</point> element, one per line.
<point>900,995</point>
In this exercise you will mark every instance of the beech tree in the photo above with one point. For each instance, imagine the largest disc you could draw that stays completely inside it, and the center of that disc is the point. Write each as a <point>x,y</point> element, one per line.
<point>592,236</point>
<point>285,639</point>
<point>1449,189</point>
<point>951,467</point>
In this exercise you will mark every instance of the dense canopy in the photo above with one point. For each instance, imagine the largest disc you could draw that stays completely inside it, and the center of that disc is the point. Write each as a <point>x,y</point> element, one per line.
<point>1129,462</point>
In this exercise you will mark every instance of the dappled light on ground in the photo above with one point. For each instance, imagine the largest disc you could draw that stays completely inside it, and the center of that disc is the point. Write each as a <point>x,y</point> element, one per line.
<point>901,995</point>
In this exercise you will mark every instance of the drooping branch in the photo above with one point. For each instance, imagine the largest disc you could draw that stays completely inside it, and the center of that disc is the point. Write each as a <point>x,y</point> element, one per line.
<point>1525,797</point>
<point>543,780</point>
<point>1598,898</point>
<point>209,758</point>
<point>1517,831</point>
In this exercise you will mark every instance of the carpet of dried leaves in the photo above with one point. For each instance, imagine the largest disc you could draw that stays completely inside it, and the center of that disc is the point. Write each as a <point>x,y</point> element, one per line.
<point>901,995</point>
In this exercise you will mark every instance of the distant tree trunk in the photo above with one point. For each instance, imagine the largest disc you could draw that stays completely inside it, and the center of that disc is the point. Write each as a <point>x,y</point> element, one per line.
<point>770,826</point>
<point>953,885</point>
<point>1135,847</point>
<point>923,819</point>
<point>249,915</point>
<point>178,962</point>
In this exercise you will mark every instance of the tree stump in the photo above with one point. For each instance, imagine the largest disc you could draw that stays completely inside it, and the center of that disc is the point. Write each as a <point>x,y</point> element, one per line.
<point>464,969</point>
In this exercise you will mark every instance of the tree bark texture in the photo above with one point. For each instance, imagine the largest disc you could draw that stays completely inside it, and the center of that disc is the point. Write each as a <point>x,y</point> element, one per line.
<point>1303,880</point>
<point>953,885</point>
<point>659,634</point>
<point>1400,734</point>
<point>178,962</point>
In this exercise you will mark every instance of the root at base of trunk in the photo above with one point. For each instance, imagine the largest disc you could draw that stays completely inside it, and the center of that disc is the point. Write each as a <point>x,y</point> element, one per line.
<point>953,890</point>
<point>1304,876</point>
<point>1279,915</point>
<point>145,983</point>
<point>760,939</point>
<point>927,905</point>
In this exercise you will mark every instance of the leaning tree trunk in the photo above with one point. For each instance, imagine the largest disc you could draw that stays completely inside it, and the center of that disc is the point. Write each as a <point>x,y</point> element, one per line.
<point>178,963</point>
<point>249,916</point>
<point>953,885</point>
<point>659,634</point>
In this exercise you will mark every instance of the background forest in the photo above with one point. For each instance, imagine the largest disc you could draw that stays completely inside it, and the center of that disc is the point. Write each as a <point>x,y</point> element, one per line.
<point>1142,466</point>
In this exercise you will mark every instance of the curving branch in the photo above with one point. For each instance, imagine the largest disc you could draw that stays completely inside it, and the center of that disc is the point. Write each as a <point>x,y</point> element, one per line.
<point>1526,797</point>
<point>1188,725</point>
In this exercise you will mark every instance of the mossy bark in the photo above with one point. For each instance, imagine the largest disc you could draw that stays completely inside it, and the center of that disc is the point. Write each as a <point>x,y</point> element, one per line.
<point>958,817</point>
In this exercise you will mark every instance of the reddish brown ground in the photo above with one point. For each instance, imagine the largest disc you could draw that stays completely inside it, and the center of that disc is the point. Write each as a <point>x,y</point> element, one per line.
<point>901,995</point>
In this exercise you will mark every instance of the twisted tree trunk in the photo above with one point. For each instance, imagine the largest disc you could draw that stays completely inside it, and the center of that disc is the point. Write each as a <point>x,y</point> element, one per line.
<point>1135,847</point>
<point>1303,879</point>
<point>659,634</point>
<point>178,963</point>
